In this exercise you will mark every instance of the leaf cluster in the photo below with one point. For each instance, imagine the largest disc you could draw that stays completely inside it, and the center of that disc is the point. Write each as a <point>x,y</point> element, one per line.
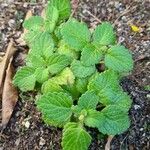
<point>62,62</point>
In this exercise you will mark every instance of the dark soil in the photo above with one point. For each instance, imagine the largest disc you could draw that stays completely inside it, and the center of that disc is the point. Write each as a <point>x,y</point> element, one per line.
<point>26,131</point>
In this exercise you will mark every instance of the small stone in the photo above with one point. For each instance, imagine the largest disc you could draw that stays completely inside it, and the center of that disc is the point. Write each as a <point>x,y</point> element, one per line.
<point>17,142</point>
<point>42,141</point>
<point>136,107</point>
<point>27,124</point>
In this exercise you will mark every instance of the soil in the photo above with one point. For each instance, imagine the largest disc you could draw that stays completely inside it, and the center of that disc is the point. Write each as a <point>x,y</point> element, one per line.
<point>26,131</point>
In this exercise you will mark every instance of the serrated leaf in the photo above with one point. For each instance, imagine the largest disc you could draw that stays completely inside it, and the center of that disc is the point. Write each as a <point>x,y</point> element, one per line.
<point>34,23</point>
<point>56,107</point>
<point>35,60</point>
<point>41,75</point>
<point>81,84</point>
<point>75,137</point>
<point>80,70</point>
<point>76,34</point>
<point>43,46</point>
<point>119,59</point>
<point>67,50</point>
<point>52,16</point>
<point>51,86</point>
<point>119,98</point>
<point>63,7</point>
<point>25,79</point>
<point>32,36</point>
<point>104,81</point>
<point>104,34</point>
<point>111,120</point>
<point>65,77</point>
<point>90,55</point>
<point>57,63</point>
<point>88,100</point>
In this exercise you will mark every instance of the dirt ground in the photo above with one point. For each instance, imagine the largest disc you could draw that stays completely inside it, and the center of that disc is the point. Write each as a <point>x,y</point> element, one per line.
<point>26,131</point>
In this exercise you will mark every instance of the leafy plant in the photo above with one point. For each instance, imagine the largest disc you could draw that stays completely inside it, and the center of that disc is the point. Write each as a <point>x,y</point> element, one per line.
<point>63,60</point>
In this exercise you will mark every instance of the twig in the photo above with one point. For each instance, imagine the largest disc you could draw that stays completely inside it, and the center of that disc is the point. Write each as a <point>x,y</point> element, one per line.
<point>97,19</point>
<point>107,146</point>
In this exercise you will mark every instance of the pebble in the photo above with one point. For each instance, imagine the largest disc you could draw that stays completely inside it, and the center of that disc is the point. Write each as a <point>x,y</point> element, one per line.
<point>42,141</point>
<point>27,124</point>
<point>137,107</point>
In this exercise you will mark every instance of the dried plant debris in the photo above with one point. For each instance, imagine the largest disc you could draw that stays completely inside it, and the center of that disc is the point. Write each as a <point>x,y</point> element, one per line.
<point>9,96</point>
<point>4,63</point>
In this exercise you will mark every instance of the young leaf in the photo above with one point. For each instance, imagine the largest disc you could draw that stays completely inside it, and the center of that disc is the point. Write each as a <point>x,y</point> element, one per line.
<point>76,34</point>
<point>75,137</point>
<point>58,62</point>
<point>34,23</point>
<point>104,34</point>
<point>41,75</point>
<point>119,59</point>
<point>56,107</point>
<point>111,120</point>
<point>80,70</point>
<point>64,8</point>
<point>81,84</point>
<point>90,55</point>
<point>51,86</point>
<point>25,79</point>
<point>67,50</point>
<point>64,78</point>
<point>88,100</point>
<point>52,16</point>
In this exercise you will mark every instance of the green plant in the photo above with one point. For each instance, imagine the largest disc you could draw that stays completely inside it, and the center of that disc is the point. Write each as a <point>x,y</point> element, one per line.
<point>62,61</point>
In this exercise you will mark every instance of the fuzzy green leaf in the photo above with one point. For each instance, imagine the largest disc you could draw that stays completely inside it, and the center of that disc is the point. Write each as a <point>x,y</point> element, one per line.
<point>76,34</point>
<point>41,75</point>
<point>104,81</point>
<point>43,46</point>
<point>88,100</point>
<point>56,107</point>
<point>34,23</point>
<point>81,84</point>
<point>80,70</point>
<point>111,120</point>
<point>52,16</point>
<point>119,98</point>
<point>119,59</point>
<point>75,137</point>
<point>67,50</point>
<point>104,34</point>
<point>57,63</point>
<point>51,86</point>
<point>64,78</point>
<point>64,8</point>
<point>90,55</point>
<point>25,79</point>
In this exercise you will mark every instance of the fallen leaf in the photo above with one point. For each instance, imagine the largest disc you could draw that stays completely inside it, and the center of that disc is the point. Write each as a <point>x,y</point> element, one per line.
<point>21,40</point>
<point>4,63</point>
<point>107,146</point>
<point>9,95</point>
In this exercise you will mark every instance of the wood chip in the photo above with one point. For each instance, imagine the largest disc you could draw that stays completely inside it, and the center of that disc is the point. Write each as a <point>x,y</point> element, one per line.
<point>4,63</point>
<point>107,146</point>
<point>9,96</point>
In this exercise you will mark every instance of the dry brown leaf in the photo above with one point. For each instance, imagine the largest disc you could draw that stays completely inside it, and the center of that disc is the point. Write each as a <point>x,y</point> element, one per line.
<point>4,63</point>
<point>9,96</point>
<point>21,41</point>
<point>107,146</point>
